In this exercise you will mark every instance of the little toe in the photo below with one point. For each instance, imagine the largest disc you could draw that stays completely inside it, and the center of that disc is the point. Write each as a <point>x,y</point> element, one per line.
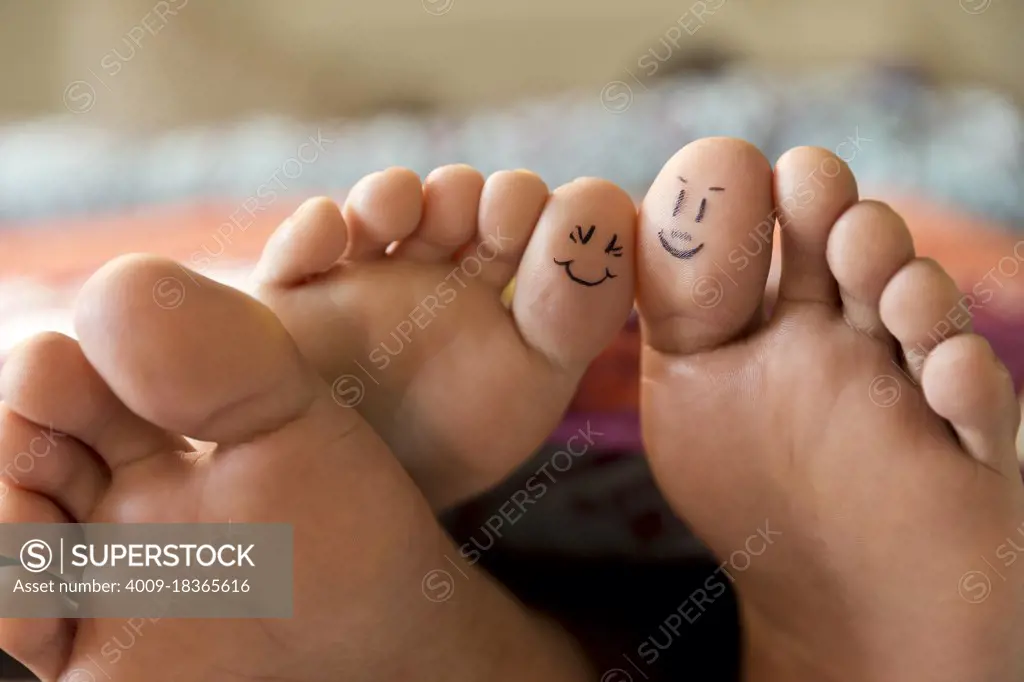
<point>510,207</point>
<point>705,245</point>
<point>216,366</point>
<point>867,247</point>
<point>42,460</point>
<point>307,244</point>
<point>49,381</point>
<point>381,209</point>
<point>922,306</point>
<point>574,288</point>
<point>967,385</point>
<point>451,201</point>
<point>813,187</point>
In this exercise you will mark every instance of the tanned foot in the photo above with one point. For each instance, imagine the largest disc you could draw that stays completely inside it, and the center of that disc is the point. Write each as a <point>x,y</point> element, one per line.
<point>217,366</point>
<point>863,436</point>
<point>396,300</point>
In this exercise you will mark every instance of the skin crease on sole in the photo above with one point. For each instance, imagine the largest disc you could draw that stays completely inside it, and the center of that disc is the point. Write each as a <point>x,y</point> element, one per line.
<point>218,367</point>
<point>851,458</point>
<point>415,335</point>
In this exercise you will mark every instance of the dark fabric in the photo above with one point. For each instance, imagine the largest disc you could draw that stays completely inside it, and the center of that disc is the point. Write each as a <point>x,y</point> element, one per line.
<point>621,609</point>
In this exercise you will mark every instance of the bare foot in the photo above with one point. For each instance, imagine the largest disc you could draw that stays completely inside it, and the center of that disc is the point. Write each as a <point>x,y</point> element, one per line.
<point>220,368</point>
<point>417,337</point>
<point>857,449</point>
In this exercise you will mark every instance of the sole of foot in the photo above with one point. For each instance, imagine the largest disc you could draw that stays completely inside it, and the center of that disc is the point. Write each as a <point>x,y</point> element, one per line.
<point>851,458</point>
<point>109,413</point>
<point>396,299</point>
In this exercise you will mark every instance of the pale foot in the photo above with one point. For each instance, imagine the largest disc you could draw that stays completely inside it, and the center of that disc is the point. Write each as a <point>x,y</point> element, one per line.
<point>218,367</point>
<point>852,458</point>
<point>417,338</point>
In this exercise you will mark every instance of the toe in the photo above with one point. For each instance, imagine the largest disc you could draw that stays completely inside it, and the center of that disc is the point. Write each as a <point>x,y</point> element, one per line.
<point>574,287</point>
<point>307,244</point>
<point>510,207</point>
<point>382,208</point>
<point>813,187</point>
<point>49,381</point>
<point>966,385</point>
<point>867,247</point>
<point>42,645</point>
<point>705,245</point>
<point>216,366</point>
<point>922,306</point>
<point>43,460</point>
<point>451,200</point>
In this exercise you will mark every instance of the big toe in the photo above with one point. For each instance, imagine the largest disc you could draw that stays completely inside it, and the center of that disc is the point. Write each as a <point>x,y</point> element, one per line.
<point>574,288</point>
<point>705,243</point>
<point>189,354</point>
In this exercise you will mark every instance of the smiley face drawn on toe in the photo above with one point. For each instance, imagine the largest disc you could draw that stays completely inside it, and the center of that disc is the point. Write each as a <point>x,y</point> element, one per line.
<point>671,242</point>
<point>676,251</point>
<point>578,236</point>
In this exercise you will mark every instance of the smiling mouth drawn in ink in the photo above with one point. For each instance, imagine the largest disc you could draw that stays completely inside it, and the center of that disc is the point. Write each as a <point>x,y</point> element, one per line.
<point>579,237</point>
<point>671,243</point>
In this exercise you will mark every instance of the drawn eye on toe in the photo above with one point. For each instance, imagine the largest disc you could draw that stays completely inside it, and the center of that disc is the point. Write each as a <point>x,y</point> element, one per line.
<point>585,238</point>
<point>614,250</point>
<point>704,204</point>
<point>679,202</point>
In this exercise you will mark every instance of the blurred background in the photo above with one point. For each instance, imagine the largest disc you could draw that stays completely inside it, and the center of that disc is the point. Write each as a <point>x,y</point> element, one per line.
<point>192,128</point>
